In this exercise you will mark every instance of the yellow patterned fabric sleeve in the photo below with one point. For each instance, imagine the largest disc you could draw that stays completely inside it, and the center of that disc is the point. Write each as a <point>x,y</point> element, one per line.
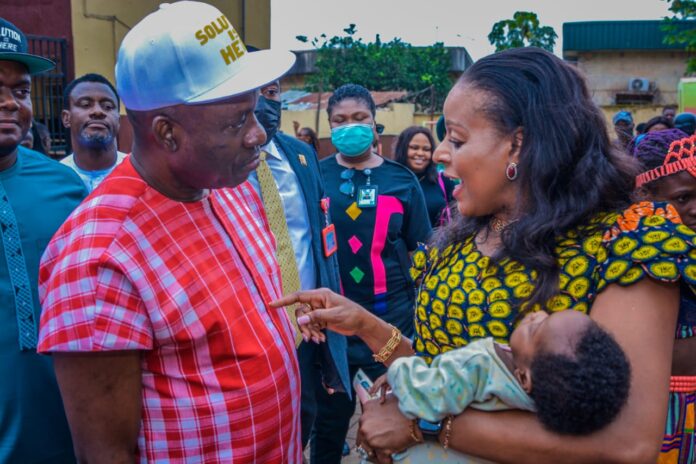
<point>420,261</point>
<point>464,296</point>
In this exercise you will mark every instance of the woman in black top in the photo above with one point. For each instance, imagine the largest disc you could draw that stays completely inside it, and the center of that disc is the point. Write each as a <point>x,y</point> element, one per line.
<point>379,213</point>
<point>414,149</point>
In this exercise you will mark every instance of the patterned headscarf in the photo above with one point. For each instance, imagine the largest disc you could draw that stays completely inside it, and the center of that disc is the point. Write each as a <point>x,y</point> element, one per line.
<point>664,153</point>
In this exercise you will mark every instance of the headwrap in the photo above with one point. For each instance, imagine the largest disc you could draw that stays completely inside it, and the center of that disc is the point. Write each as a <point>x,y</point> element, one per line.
<point>680,157</point>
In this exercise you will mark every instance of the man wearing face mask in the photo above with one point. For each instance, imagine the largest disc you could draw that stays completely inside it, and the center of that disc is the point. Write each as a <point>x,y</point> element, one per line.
<point>290,185</point>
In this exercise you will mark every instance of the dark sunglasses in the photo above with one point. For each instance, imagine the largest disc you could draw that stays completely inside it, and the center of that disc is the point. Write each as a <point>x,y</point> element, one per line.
<point>347,187</point>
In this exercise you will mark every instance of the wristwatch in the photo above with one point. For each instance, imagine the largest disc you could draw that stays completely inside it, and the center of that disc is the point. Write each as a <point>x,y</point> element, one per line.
<point>429,429</point>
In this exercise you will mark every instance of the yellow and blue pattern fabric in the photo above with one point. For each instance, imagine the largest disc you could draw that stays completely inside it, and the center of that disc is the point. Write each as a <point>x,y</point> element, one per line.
<point>464,296</point>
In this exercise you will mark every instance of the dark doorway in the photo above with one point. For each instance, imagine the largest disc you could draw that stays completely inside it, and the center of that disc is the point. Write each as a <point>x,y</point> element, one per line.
<point>47,90</point>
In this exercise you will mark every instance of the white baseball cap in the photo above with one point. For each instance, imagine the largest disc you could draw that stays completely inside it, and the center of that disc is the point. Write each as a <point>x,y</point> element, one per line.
<point>187,53</point>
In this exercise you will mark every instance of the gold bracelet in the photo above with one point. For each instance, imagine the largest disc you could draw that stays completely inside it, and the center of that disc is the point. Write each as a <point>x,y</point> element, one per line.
<point>448,431</point>
<point>414,436</point>
<point>389,348</point>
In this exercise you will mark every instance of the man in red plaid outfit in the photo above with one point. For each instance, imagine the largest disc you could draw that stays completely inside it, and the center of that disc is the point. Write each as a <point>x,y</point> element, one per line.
<point>155,290</point>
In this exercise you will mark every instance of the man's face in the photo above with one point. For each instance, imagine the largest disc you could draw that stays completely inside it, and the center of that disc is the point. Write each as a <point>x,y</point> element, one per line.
<point>669,113</point>
<point>93,117</point>
<point>220,142</point>
<point>272,91</point>
<point>15,105</point>
<point>28,140</point>
<point>624,130</point>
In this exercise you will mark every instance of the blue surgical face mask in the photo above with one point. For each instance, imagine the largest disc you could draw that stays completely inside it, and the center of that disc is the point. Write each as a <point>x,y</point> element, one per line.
<point>352,139</point>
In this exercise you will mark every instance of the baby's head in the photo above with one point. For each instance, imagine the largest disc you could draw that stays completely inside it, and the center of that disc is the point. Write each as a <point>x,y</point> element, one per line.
<point>576,373</point>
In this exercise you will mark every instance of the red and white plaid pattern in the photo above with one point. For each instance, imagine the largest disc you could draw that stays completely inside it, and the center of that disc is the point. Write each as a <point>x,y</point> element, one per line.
<point>188,284</point>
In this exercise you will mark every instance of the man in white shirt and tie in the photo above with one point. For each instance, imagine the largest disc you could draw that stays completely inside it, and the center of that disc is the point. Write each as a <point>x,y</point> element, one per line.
<point>294,168</point>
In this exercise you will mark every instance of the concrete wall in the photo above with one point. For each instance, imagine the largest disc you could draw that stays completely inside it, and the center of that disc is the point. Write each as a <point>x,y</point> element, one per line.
<point>608,73</point>
<point>641,113</point>
<point>98,27</point>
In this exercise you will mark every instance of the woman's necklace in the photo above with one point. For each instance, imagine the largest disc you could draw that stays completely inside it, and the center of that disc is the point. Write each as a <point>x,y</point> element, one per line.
<point>497,225</point>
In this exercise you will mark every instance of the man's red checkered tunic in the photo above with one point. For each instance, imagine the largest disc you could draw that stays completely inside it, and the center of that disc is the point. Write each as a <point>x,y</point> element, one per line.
<point>188,284</point>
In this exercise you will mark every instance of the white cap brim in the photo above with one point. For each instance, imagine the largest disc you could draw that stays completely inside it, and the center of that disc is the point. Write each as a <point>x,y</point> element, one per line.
<point>260,68</point>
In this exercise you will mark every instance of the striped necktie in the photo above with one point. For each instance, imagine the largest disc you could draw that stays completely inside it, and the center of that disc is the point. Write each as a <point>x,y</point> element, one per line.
<point>19,277</point>
<point>279,226</point>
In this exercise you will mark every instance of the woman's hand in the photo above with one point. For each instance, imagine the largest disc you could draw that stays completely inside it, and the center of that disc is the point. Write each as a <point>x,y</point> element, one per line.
<point>384,429</point>
<point>380,386</point>
<point>324,309</point>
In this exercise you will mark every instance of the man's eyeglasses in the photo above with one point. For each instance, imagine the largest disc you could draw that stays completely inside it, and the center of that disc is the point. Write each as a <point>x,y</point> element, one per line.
<point>347,187</point>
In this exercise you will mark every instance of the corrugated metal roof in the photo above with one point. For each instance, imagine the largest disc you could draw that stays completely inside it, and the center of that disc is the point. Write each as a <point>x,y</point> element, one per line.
<point>618,35</point>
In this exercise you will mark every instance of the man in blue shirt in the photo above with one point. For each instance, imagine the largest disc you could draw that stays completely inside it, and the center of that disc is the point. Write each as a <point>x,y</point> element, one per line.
<point>90,111</point>
<point>36,195</point>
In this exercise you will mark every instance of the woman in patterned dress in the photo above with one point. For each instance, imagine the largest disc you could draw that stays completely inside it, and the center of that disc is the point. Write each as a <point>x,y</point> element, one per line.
<point>667,157</point>
<point>546,224</point>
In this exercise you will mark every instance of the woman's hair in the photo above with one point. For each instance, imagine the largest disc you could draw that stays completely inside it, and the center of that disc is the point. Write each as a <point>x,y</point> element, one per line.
<point>401,149</point>
<point>568,169</point>
<point>314,141</point>
<point>651,149</point>
<point>352,92</point>
<point>658,120</point>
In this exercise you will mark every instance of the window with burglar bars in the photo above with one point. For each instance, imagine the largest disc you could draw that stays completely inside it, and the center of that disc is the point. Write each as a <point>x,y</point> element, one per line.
<point>47,90</point>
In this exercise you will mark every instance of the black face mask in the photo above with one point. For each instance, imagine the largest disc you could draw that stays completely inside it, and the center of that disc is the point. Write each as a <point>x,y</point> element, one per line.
<point>268,113</point>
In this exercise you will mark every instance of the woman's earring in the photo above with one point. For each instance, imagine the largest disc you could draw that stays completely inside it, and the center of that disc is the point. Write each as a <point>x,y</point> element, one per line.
<point>511,171</point>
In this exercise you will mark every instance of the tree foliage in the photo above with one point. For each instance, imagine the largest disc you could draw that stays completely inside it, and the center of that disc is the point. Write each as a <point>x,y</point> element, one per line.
<point>394,65</point>
<point>682,10</point>
<point>522,30</point>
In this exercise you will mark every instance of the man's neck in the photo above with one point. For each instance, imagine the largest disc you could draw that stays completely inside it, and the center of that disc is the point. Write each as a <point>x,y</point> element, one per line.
<point>8,160</point>
<point>95,159</point>
<point>157,176</point>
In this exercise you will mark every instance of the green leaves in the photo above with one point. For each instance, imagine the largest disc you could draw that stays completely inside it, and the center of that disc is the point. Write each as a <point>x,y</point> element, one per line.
<point>521,31</point>
<point>378,65</point>
<point>681,10</point>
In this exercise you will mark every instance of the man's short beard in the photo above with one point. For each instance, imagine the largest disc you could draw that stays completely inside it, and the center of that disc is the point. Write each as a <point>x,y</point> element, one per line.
<point>96,141</point>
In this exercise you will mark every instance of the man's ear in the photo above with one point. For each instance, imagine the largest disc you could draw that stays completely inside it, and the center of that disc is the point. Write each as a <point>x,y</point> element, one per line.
<point>524,377</point>
<point>164,130</point>
<point>65,118</point>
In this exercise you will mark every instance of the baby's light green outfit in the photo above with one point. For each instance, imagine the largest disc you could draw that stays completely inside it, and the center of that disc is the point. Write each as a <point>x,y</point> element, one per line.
<point>471,376</point>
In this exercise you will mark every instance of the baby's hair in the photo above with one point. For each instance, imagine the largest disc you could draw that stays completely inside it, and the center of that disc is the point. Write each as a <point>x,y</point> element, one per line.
<point>580,394</point>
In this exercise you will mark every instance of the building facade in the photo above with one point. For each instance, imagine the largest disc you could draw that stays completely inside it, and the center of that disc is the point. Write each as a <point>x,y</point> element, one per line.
<point>628,65</point>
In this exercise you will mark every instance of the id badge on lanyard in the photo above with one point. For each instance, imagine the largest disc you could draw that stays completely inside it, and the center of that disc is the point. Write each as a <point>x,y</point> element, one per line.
<point>328,233</point>
<point>367,194</point>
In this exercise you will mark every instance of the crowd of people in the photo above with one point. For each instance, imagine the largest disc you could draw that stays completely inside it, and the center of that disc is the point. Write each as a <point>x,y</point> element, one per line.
<point>626,130</point>
<point>521,291</point>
